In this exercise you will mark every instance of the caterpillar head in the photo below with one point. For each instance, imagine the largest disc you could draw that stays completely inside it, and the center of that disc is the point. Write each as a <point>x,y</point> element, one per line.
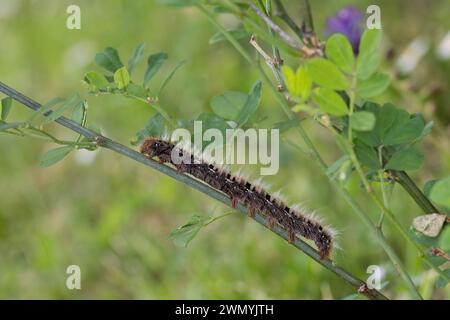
<point>153,147</point>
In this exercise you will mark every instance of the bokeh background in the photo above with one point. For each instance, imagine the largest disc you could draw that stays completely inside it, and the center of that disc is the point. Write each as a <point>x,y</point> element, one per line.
<point>111,216</point>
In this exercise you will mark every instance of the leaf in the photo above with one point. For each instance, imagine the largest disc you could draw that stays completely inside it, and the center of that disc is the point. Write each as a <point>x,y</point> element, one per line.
<point>154,62</point>
<point>95,81</point>
<point>68,104</point>
<point>369,57</point>
<point>426,130</point>
<point>367,156</point>
<point>6,108</point>
<point>210,120</point>
<point>178,3</point>
<point>441,281</point>
<point>404,129</point>
<point>324,73</point>
<point>55,155</point>
<point>330,102</point>
<point>109,59</point>
<point>440,192</point>
<point>155,127</point>
<point>184,234</point>
<point>303,84</point>
<point>171,74</point>
<point>339,50</point>
<point>122,78</point>
<point>363,121</point>
<point>373,86</point>
<point>236,33</point>
<point>428,187</point>
<point>393,126</point>
<point>136,57</point>
<point>229,104</point>
<point>251,104</point>
<point>136,90</point>
<point>79,114</point>
<point>406,159</point>
<point>444,239</point>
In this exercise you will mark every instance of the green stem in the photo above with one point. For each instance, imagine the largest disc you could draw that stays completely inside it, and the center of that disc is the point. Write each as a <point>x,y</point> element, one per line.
<point>383,191</point>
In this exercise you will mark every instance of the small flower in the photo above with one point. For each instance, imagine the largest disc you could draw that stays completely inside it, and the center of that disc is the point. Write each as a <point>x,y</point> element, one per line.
<point>347,21</point>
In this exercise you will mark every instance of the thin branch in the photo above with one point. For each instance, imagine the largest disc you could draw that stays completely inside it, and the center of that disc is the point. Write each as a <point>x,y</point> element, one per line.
<point>282,13</point>
<point>308,22</point>
<point>107,143</point>
<point>272,25</point>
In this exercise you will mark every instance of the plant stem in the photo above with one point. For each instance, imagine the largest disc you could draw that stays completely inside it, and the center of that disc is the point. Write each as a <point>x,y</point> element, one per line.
<point>272,25</point>
<point>107,143</point>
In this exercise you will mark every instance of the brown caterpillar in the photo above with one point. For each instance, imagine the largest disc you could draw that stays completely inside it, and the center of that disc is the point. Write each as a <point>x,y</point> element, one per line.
<point>252,195</point>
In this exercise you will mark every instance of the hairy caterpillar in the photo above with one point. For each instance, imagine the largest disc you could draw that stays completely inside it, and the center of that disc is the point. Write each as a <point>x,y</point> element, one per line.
<point>253,195</point>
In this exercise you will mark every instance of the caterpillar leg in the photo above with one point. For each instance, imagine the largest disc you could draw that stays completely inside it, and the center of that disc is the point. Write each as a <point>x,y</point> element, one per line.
<point>291,236</point>
<point>234,202</point>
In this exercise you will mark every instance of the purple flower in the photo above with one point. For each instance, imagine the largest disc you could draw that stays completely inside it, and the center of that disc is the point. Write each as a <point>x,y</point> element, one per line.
<point>347,21</point>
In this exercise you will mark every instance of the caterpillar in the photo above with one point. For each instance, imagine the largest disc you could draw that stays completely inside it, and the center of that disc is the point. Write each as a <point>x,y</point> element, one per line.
<point>252,195</point>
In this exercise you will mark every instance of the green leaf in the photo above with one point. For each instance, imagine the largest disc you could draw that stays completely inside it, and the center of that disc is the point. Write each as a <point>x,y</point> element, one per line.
<point>339,50</point>
<point>210,120</point>
<point>95,81</point>
<point>178,3</point>
<point>369,57</point>
<point>68,104</point>
<point>329,102</point>
<point>440,192</point>
<point>299,83</point>
<point>444,239</point>
<point>324,73</point>
<point>393,126</point>
<point>109,59</point>
<point>251,104</point>
<point>184,234</point>
<point>79,114</point>
<point>122,78</point>
<point>6,107</point>
<point>155,127</point>
<point>374,86</point>
<point>441,281</point>
<point>229,104</point>
<point>404,129</point>
<point>367,156</point>
<point>428,187</point>
<point>236,33</point>
<point>406,159</point>
<point>171,74</point>
<point>363,121</point>
<point>137,91</point>
<point>136,57</point>
<point>154,62</point>
<point>303,83</point>
<point>55,155</point>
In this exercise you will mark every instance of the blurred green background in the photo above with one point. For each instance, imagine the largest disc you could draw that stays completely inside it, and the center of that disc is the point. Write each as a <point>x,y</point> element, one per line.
<point>111,216</point>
